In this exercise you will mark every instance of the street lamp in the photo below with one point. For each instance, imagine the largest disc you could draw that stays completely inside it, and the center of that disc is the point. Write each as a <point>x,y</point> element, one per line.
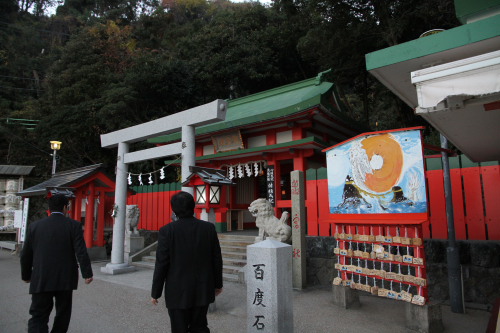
<point>55,146</point>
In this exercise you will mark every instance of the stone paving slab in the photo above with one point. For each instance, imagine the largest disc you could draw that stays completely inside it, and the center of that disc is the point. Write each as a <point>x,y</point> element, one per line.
<point>120,303</point>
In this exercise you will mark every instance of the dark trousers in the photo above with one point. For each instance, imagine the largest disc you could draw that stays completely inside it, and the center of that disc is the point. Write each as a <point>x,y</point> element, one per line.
<point>41,307</point>
<point>193,320</point>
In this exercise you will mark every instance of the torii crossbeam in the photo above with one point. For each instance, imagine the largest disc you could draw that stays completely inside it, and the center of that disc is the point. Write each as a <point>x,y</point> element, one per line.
<point>184,121</point>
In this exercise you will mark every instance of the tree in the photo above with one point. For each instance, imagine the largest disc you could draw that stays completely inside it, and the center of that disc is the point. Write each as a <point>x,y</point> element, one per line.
<point>343,31</point>
<point>104,83</point>
<point>241,50</point>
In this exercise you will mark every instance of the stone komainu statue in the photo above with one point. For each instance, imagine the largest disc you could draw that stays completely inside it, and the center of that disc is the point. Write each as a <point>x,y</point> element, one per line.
<point>268,224</point>
<point>132,219</point>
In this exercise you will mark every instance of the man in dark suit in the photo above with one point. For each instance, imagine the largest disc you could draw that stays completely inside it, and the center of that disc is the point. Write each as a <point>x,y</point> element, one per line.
<point>189,267</point>
<point>49,262</point>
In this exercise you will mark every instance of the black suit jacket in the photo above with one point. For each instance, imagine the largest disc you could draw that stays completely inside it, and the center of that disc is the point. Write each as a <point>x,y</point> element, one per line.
<point>50,253</point>
<point>188,264</point>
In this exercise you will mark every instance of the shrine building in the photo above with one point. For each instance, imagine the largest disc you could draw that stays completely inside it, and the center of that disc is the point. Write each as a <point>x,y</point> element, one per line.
<point>91,194</point>
<point>264,137</point>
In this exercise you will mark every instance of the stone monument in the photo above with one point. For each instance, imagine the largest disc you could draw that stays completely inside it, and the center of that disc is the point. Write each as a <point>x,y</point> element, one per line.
<point>269,225</point>
<point>269,287</point>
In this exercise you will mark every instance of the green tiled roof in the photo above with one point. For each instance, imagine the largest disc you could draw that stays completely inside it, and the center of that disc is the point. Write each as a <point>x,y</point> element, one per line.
<point>270,104</point>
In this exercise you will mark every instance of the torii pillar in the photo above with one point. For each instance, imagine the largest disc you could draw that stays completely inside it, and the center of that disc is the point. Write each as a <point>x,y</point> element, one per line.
<point>184,121</point>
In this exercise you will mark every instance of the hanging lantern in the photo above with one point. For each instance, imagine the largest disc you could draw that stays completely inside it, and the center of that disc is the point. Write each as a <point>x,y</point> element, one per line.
<point>201,194</point>
<point>215,194</point>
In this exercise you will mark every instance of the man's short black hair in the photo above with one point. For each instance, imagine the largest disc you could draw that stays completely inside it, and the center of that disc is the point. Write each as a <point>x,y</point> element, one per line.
<point>58,202</point>
<point>183,204</point>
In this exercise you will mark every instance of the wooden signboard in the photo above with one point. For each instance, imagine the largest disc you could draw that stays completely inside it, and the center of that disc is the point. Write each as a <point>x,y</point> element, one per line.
<point>227,141</point>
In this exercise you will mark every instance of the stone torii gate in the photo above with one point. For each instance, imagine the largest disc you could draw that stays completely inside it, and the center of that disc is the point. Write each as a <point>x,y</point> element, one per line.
<point>184,121</point>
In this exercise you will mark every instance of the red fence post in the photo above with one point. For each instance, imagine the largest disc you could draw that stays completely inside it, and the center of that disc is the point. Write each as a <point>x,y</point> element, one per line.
<point>458,203</point>
<point>323,202</point>
<point>491,186</point>
<point>312,202</point>
<point>437,206</point>
<point>474,203</point>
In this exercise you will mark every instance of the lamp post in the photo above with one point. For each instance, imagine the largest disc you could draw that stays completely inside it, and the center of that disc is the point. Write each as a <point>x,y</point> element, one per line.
<point>55,146</point>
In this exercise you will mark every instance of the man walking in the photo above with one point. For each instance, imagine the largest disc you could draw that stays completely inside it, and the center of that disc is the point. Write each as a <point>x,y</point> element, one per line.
<point>49,263</point>
<point>189,267</point>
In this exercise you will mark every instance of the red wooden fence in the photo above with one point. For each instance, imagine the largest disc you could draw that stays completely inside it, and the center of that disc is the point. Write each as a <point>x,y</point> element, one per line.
<point>476,201</point>
<point>154,204</point>
<point>475,194</point>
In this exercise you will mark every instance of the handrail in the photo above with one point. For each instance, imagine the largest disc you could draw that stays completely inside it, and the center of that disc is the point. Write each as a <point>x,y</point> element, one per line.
<point>138,255</point>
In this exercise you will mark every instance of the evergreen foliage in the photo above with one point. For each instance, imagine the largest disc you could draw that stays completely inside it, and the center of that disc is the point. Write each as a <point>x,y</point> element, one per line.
<point>85,68</point>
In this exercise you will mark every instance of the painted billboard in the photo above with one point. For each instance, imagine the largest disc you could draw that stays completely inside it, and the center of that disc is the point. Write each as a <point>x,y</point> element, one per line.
<point>377,173</point>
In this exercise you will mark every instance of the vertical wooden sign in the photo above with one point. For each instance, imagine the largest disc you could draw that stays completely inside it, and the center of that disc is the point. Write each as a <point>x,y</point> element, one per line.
<point>270,185</point>
<point>298,224</point>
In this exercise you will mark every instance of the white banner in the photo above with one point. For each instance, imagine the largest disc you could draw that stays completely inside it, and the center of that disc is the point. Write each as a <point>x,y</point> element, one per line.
<point>24,221</point>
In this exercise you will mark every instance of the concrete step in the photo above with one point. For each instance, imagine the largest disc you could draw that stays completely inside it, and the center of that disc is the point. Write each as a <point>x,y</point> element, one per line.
<point>230,277</point>
<point>234,255</point>
<point>235,244</point>
<point>144,264</point>
<point>149,259</point>
<point>234,262</point>
<point>232,237</point>
<point>231,270</point>
<point>235,248</point>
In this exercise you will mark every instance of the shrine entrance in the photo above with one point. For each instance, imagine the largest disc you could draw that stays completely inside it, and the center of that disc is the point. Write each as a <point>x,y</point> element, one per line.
<point>257,185</point>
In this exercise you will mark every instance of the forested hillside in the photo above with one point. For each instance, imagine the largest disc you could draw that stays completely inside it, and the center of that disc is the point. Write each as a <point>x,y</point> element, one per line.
<point>80,68</point>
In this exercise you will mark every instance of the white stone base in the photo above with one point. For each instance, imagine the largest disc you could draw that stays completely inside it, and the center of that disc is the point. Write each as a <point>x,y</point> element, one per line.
<point>114,269</point>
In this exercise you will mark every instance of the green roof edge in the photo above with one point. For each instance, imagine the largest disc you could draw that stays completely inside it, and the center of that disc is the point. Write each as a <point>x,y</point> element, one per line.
<point>304,105</point>
<point>446,40</point>
<point>279,90</point>
<point>312,102</point>
<point>310,139</point>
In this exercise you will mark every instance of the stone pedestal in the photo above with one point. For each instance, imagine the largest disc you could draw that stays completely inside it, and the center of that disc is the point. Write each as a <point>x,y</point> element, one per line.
<point>133,244</point>
<point>345,297</point>
<point>269,287</point>
<point>424,319</point>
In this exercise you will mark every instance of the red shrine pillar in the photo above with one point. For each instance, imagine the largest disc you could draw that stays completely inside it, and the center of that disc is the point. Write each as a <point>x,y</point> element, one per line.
<point>78,206</point>
<point>89,217</point>
<point>100,219</point>
<point>72,211</point>
<point>299,162</point>
<point>221,211</point>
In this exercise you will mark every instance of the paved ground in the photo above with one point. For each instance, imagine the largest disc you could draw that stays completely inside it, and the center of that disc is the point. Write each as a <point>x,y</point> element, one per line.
<point>120,304</point>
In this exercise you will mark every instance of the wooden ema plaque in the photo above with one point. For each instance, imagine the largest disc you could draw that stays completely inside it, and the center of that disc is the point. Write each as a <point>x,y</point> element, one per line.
<point>378,260</point>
